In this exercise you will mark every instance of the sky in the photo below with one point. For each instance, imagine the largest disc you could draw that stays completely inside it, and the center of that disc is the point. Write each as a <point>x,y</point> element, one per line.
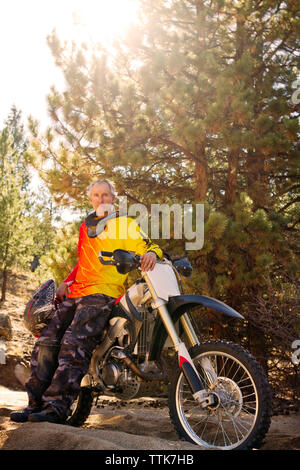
<point>27,67</point>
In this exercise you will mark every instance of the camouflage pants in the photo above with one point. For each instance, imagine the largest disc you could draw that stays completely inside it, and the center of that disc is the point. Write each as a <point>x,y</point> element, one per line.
<point>61,355</point>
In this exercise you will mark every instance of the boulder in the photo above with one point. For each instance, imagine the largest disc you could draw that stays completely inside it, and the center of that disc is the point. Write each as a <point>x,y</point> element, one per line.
<point>5,327</point>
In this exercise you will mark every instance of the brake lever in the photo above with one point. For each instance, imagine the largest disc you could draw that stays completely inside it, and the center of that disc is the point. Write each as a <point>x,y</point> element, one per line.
<point>105,253</point>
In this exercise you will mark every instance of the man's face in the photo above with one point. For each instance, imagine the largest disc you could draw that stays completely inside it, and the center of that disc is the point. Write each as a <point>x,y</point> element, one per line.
<point>101,199</point>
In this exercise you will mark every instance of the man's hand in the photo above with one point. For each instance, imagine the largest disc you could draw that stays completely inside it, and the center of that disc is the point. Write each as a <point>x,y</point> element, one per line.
<point>148,261</point>
<point>62,291</point>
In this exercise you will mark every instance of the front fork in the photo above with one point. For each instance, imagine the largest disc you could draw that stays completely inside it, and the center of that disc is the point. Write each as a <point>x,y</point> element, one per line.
<point>185,362</point>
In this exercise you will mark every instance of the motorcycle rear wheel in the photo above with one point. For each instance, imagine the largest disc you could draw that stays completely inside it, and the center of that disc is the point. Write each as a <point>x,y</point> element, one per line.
<point>242,414</point>
<point>81,407</point>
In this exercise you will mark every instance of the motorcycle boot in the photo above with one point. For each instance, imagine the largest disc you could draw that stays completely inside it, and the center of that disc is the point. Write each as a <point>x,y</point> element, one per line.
<point>47,414</point>
<point>40,379</point>
<point>22,416</point>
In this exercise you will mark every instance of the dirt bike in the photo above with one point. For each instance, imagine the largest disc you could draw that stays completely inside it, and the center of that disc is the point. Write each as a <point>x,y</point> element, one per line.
<point>219,396</point>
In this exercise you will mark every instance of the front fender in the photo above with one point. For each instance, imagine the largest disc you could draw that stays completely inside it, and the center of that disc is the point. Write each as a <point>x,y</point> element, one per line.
<point>183,301</point>
<point>177,306</point>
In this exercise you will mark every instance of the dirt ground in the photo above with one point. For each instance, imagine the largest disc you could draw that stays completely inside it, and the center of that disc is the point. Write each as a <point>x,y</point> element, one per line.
<point>139,424</point>
<point>143,425</point>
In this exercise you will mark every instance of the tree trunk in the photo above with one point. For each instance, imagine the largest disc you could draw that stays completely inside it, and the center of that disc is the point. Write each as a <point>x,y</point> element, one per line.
<point>4,284</point>
<point>255,163</point>
<point>234,153</point>
<point>256,180</point>
<point>201,176</point>
<point>201,181</point>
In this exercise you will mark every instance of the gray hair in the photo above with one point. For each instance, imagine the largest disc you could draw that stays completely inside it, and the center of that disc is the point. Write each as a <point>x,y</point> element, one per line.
<point>109,184</point>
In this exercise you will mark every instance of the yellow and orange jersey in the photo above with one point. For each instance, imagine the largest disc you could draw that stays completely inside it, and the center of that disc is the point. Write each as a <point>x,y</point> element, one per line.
<point>90,276</point>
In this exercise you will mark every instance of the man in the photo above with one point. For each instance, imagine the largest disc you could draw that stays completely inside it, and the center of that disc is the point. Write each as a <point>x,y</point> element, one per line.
<point>62,354</point>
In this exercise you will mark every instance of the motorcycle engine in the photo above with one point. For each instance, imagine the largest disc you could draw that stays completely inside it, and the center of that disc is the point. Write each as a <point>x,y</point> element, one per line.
<point>116,375</point>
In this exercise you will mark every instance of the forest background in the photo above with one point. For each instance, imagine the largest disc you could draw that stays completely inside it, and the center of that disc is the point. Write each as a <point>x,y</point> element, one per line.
<point>199,103</point>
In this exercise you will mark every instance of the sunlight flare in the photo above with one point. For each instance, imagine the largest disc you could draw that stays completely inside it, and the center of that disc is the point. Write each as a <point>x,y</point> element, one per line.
<point>97,21</point>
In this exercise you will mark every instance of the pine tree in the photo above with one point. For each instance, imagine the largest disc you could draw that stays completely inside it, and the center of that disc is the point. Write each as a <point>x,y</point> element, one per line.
<point>14,223</point>
<point>24,229</point>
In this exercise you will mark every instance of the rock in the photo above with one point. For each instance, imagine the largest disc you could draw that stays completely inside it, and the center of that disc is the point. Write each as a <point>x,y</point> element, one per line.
<point>22,373</point>
<point>7,373</point>
<point>5,327</point>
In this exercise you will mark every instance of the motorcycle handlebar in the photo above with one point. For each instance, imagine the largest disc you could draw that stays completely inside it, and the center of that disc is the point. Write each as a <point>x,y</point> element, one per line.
<point>126,261</point>
<point>110,254</point>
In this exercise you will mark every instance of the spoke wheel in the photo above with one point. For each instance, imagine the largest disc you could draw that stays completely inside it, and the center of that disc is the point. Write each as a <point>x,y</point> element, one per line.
<point>240,416</point>
<point>81,408</point>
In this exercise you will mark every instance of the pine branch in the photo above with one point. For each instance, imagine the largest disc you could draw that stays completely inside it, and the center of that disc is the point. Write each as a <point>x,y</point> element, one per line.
<point>166,141</point>
<point>289,204</point>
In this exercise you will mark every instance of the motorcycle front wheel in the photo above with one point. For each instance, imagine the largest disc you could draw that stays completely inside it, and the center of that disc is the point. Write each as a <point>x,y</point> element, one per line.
<point>241,414</point>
